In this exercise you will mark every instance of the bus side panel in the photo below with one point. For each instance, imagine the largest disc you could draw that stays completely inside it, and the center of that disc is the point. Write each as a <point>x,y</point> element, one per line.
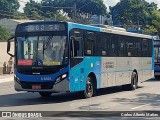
<point>79,73</point>
<point>76,77</point>
<point>93,65</point>
<point>108,71</point>
<point>122,70</point>
<point>148,73</point>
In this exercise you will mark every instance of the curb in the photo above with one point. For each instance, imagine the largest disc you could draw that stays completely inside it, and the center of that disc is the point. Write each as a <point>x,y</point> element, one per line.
<point>3,80</point>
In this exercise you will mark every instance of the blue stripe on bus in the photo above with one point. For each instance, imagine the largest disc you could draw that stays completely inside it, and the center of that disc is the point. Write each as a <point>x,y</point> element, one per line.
<point>86,27</point>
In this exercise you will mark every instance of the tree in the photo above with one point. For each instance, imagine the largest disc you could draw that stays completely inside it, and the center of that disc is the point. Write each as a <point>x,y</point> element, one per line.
<point>4,34</point>
<point>33,10</point>
<point>74,8</point>
<point>137,13</point>
<point>7,7</point>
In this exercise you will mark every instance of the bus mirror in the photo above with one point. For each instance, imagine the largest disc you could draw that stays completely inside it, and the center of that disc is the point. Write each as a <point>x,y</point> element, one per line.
<point>9,46</point>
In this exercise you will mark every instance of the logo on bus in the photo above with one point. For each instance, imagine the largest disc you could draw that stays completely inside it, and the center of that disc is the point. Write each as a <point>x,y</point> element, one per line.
<point>108,65</point>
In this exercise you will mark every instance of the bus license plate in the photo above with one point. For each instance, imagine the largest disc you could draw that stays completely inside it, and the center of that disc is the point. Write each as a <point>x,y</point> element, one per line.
<point>36,87</point>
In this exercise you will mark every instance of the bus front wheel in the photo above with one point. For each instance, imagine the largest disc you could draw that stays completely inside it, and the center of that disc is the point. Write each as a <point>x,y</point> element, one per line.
<point>89,91</point>
<point>45,94</point>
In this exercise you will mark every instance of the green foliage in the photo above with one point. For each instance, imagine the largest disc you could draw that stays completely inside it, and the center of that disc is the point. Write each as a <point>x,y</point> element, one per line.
<point>4,34</point>
<point>50,9</point>
<point>7,7</point>
<point>137,13</point>
<point>150,30</point>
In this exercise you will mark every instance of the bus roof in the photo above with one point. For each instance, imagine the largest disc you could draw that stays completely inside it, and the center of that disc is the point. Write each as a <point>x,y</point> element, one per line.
<point>109,29</point>
<point>100,28</point>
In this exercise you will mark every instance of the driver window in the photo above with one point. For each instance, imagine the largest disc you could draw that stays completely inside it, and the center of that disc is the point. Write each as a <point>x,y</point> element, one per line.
<point>76,43</point>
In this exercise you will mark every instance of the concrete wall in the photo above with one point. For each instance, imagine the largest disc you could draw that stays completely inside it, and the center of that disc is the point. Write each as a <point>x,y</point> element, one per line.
<point>4,57</point>
<point>9,24</point>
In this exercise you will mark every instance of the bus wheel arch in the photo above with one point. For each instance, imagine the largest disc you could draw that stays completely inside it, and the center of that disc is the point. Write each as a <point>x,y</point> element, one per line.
<point>91,86</point>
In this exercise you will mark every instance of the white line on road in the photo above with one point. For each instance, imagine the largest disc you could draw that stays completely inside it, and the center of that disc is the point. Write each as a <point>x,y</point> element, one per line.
<point>140,106</point>
<point>6,80</point>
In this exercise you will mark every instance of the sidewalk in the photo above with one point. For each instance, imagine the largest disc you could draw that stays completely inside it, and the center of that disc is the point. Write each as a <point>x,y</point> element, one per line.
<point>6,78</point>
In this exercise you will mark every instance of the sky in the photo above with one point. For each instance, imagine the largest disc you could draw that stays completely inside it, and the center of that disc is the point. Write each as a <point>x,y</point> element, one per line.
<point>107,3</point>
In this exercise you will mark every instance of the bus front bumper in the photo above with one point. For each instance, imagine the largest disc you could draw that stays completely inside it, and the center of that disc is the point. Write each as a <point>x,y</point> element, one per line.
<point>62,86</point>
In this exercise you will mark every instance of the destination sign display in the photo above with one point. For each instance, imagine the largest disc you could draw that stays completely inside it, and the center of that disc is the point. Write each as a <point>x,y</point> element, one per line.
<point>43,27</point>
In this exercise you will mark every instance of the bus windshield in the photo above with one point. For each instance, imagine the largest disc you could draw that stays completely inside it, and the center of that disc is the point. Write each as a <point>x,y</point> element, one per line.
<point>42,50</point>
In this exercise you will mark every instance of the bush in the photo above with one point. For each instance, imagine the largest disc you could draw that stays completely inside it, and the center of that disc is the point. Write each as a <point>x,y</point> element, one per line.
<point>4,34</point>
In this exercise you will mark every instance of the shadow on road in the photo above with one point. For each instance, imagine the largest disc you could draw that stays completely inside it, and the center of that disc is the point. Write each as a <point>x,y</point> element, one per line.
<point>143,98</point>
<point>153,80</point>
<point>25,98</point>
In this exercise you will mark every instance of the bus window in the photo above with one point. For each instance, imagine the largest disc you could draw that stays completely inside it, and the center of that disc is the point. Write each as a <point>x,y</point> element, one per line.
<point>122,47</point>
<point>137,47</point>
<point>102,44</point>
<point>130,48</point>
<point>76,47</point>
<point>90,43</point>
<point>113,45</point>
<point>145,48</point>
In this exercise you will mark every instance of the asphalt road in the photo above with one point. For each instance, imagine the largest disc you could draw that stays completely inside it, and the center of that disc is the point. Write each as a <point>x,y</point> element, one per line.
<point>145,98</point>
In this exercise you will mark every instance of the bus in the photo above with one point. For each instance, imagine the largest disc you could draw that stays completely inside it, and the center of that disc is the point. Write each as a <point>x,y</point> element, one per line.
<point>157,58</point>
<point>55,57</point>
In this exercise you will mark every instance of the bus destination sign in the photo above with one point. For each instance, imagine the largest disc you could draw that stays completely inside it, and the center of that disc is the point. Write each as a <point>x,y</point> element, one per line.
<point>44,27</point>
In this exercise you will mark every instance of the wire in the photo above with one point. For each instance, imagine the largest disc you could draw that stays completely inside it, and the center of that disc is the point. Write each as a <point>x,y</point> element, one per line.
<point>84,5</point>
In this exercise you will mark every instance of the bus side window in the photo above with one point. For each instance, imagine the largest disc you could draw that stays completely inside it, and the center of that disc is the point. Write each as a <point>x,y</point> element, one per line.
<point>90,43</point>
<point>76,47</point>
<point>130,49</point>
<point>145,48</point>
<point>112,39</point>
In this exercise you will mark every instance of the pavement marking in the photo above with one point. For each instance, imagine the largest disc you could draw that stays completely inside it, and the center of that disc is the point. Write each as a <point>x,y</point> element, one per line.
<point>139,106</point>
<point>3,80</point>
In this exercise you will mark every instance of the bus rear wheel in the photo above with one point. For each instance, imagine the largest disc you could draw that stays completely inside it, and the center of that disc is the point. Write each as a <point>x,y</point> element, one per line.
<point>134,81</point>
<point>89,91</point>
<point>45,94</point>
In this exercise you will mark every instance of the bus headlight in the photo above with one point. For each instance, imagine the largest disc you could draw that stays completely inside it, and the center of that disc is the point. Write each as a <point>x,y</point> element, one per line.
<point>64,76</point>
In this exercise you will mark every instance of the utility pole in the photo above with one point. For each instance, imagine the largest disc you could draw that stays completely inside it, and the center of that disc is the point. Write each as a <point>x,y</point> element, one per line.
<point>74,12</point>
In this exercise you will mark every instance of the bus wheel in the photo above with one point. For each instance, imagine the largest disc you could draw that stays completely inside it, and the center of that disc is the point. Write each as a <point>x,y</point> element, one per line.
<point>45,94</point>
<point>134,81</point>
<point>88,92</point>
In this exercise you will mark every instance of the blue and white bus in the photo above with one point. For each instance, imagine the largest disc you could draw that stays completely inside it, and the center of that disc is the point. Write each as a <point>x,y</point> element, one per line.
<point>157,58</point>
<point>68,57</point>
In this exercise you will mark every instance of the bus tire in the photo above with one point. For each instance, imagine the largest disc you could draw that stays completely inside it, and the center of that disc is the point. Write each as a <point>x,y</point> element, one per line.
<point>45,94</point>
<point>89,90</point>
<point>134,81</point>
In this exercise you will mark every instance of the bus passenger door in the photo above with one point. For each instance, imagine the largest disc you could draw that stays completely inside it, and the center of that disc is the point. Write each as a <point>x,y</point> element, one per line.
<point>76,63</point>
